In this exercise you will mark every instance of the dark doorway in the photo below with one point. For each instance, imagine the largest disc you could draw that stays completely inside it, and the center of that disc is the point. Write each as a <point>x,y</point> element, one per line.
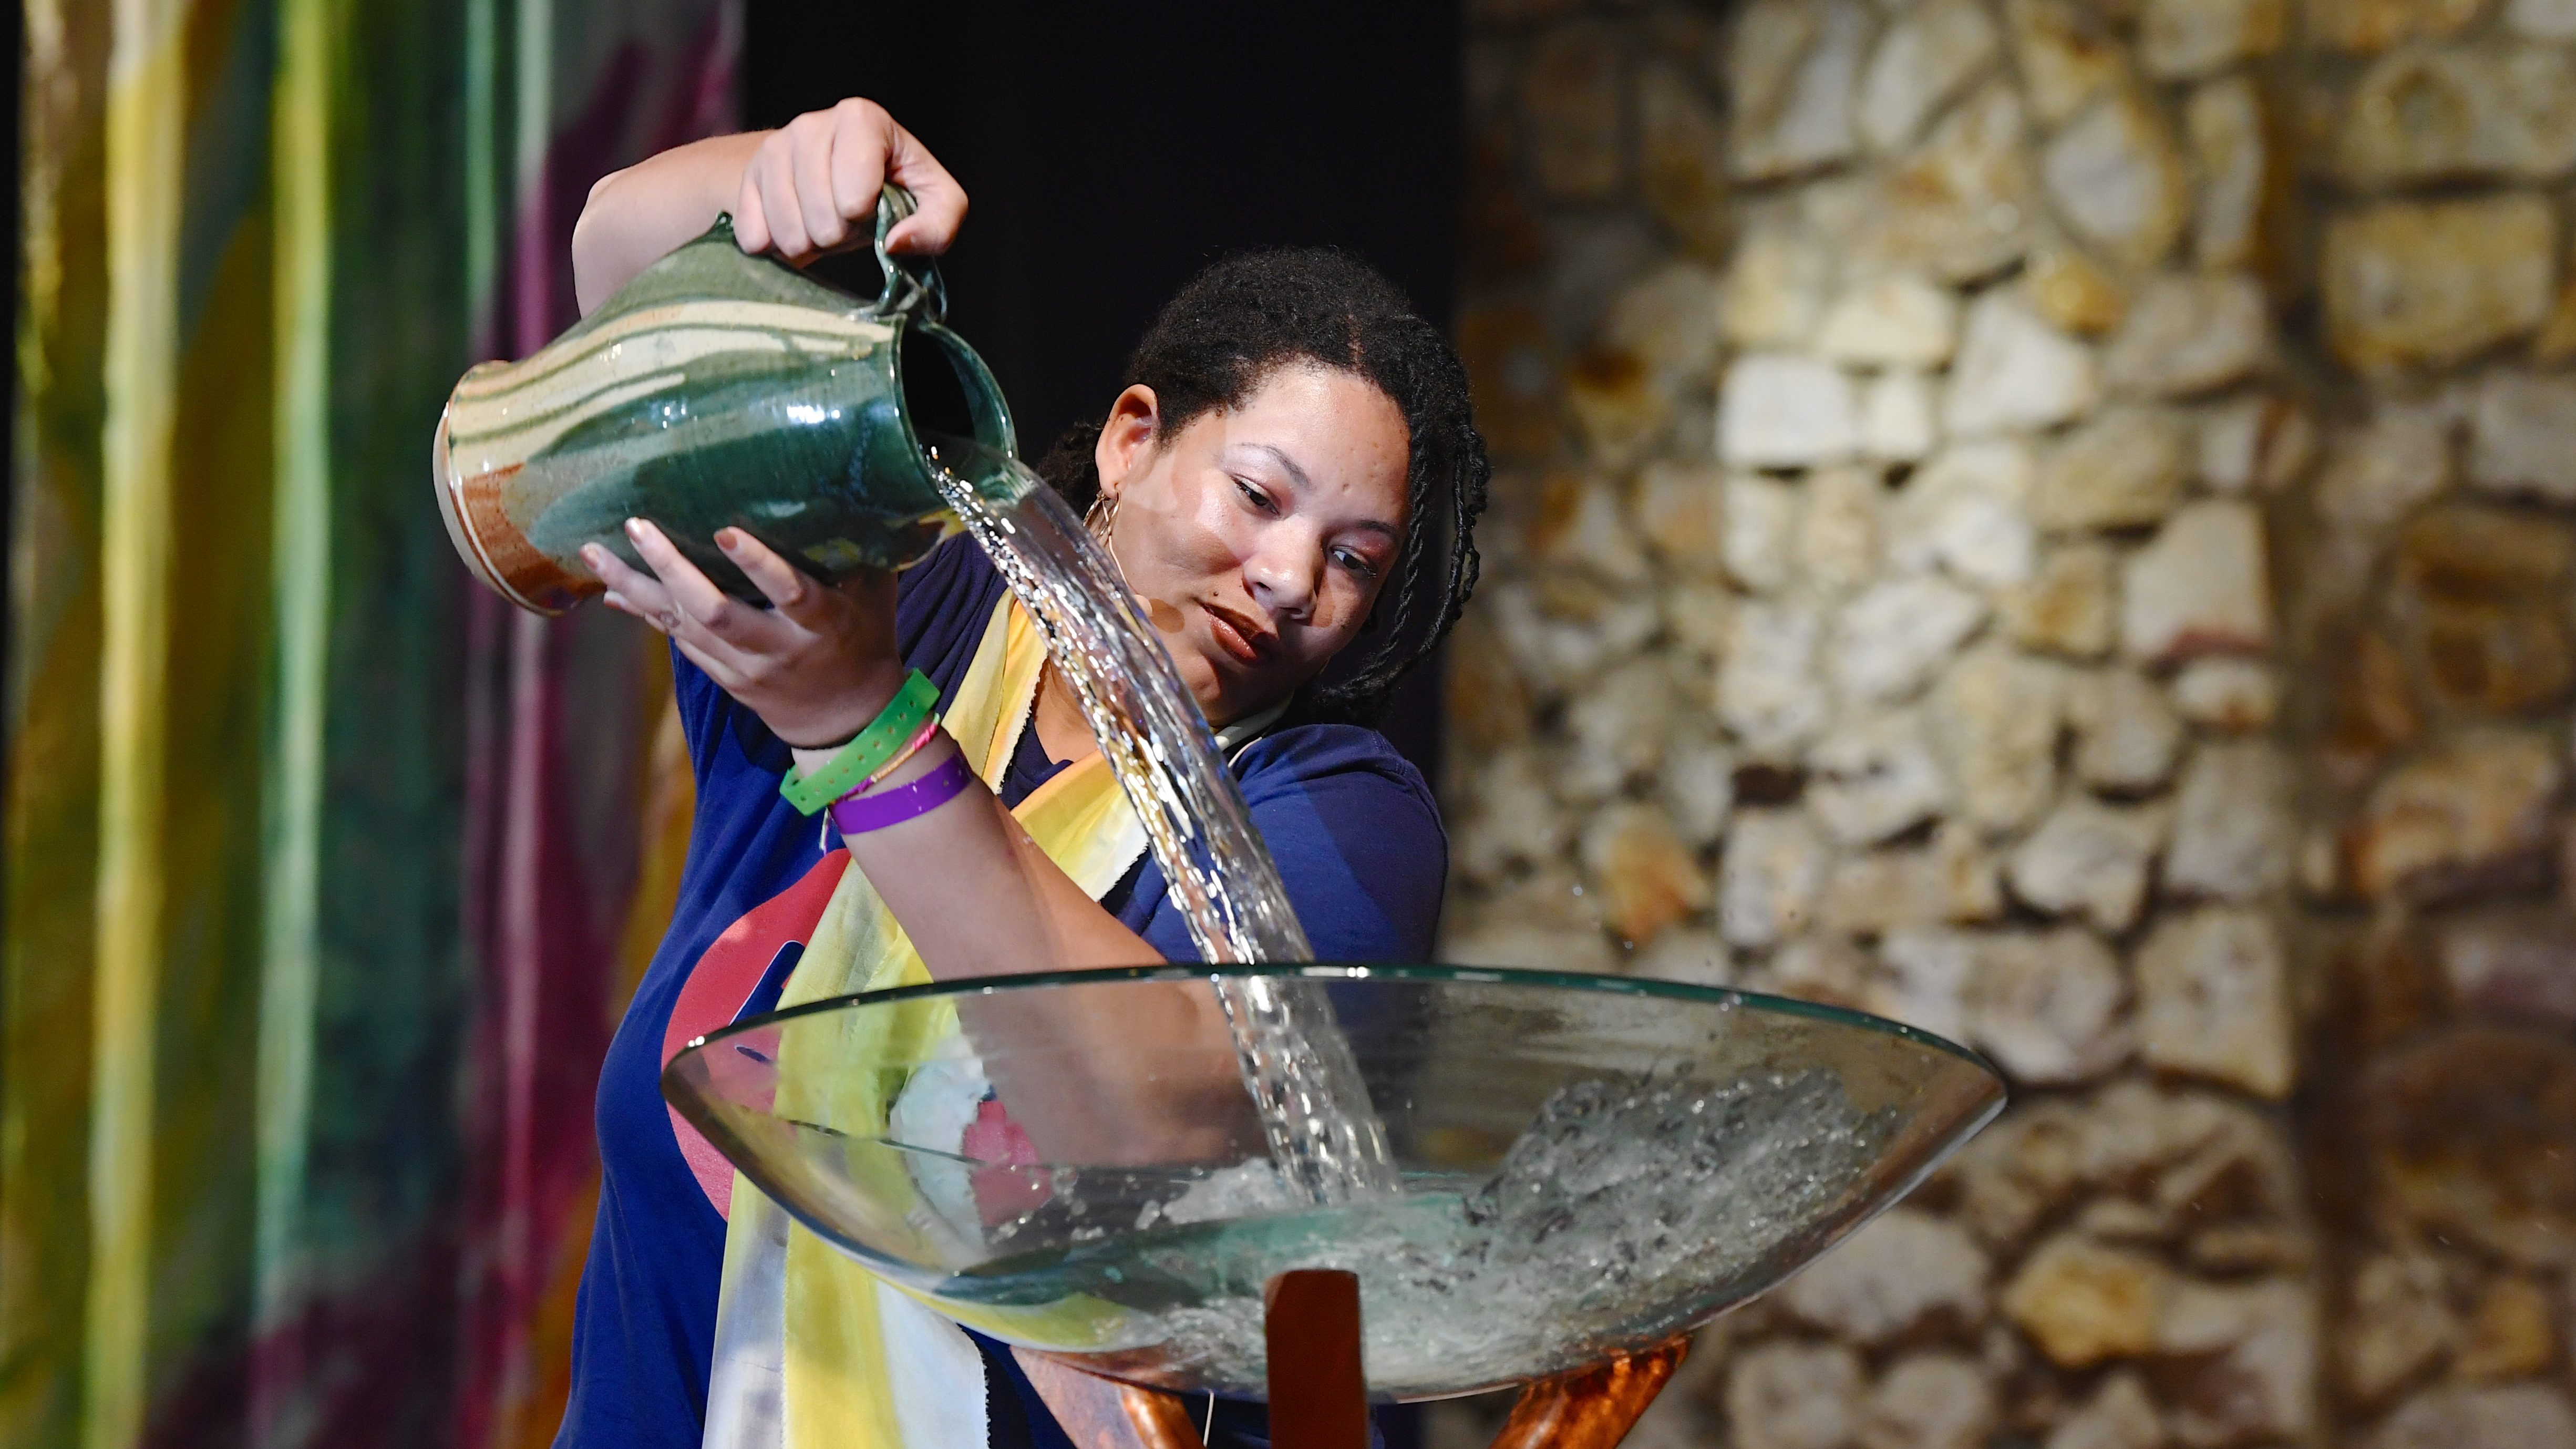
<point>1112,150</point>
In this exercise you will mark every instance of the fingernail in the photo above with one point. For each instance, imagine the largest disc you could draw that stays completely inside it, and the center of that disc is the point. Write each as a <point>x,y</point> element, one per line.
<point>635,528</point>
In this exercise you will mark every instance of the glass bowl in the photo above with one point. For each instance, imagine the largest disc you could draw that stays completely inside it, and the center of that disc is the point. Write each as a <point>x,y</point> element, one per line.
<point>1579,1166</point>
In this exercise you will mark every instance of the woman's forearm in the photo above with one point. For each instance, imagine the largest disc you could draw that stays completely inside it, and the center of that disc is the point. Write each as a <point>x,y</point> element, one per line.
<point>978,897</point>
<point>976,894</point>
<point>637,216</point>
<point>809,187</point>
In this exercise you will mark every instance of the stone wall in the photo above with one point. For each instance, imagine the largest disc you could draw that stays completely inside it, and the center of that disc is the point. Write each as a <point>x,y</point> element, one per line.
<point>2051,521</point>
<point>2428,605</point>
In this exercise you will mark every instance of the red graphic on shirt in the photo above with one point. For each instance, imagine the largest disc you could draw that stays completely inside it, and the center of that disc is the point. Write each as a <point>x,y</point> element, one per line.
<point>724,981</point>
<point>1010,1182</point>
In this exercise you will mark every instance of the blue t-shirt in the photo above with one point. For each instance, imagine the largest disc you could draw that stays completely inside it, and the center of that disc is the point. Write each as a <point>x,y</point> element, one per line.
<point>1350,823</point>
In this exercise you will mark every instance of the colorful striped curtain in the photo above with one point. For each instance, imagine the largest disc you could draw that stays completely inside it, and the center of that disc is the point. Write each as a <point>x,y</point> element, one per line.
<point>325,876</point>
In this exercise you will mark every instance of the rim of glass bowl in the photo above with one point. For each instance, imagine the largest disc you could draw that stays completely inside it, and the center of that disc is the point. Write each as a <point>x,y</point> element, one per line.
<point>1331,971</point>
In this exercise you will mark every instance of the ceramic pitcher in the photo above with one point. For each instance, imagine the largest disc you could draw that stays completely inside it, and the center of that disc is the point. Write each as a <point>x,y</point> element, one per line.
<point>715,389</point>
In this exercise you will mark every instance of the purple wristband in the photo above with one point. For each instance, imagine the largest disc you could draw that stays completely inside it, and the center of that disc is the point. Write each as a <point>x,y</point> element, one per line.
<point>859,814</point>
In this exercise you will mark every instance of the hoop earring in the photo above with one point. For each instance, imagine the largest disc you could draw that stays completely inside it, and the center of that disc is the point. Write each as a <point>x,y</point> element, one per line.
<point>1101,517</point>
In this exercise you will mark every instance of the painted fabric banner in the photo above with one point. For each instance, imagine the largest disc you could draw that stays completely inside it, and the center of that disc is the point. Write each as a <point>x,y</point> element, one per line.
<point>325,876</point>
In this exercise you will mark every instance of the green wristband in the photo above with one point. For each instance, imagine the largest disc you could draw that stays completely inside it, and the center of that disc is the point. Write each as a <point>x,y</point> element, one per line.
<point>899,721</point>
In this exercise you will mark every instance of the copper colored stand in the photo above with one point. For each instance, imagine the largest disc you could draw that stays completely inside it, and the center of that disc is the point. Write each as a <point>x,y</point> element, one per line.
<point>1318,1399</point>
<point>1593,1409</point>
<point>1100,1413</point>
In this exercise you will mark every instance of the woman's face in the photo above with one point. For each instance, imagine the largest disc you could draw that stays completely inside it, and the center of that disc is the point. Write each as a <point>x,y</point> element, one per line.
<point>1257,538</point>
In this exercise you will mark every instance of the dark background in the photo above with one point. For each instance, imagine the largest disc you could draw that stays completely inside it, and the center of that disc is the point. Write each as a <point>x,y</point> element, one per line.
<point>1110,151</point>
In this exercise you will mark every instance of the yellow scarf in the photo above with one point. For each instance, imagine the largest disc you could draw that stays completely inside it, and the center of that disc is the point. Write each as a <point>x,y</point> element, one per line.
<point>812,1350</point>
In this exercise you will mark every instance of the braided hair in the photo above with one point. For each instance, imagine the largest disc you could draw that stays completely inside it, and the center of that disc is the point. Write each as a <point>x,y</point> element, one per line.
<point>1241,320</point>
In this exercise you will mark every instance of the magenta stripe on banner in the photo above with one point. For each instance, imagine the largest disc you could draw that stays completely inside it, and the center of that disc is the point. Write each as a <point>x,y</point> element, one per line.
<point>551,850</point>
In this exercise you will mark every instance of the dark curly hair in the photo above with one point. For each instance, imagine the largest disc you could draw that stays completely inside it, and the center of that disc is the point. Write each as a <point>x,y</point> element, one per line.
<point>1249,315</point>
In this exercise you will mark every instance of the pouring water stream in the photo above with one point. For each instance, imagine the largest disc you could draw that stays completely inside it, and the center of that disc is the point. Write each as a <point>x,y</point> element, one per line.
<point>1325,1140</point>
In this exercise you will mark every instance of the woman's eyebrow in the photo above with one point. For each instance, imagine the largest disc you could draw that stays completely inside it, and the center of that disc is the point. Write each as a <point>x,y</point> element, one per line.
<point>1296,474</point>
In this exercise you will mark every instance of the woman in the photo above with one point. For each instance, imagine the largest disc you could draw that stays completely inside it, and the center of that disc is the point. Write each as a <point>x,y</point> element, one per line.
<point>1291,464</point>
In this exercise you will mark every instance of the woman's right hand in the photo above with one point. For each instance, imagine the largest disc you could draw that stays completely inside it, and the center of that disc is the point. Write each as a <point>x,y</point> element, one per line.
<point>811,187</point>
<point>807,188</point>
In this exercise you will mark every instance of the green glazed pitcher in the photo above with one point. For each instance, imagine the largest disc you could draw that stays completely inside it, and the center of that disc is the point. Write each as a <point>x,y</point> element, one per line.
<point>714,389</point>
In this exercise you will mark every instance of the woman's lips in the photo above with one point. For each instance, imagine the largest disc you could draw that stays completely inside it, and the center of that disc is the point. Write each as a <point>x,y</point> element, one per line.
<point>1237,637</point>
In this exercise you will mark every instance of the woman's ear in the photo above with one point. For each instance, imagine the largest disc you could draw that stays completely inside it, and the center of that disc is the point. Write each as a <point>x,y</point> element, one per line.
<point>1124,439</point>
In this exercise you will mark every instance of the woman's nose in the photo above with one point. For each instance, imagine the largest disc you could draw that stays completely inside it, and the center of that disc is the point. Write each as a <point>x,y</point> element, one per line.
<point>1282,572</point>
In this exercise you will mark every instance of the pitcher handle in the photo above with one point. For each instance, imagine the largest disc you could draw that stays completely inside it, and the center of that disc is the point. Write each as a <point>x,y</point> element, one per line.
<point>912,284</point>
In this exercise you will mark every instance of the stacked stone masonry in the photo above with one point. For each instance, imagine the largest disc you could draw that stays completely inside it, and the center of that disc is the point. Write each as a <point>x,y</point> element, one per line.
<point>2055,521</point>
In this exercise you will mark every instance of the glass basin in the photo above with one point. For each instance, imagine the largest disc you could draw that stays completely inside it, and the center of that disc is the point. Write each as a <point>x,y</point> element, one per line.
<point>1587,1165</point>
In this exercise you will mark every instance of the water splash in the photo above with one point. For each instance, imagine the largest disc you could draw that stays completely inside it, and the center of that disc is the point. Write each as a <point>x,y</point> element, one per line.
<point>1324,1138</point>
<point>1683,1193</point>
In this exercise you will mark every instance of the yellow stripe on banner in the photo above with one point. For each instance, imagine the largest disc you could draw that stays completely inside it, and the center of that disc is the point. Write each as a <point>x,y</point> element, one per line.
<point>832,1302</point>
<point>146,109</point>
<point>300,157</point>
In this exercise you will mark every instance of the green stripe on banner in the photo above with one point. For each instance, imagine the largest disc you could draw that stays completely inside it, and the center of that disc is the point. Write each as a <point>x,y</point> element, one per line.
<point>300,540</point>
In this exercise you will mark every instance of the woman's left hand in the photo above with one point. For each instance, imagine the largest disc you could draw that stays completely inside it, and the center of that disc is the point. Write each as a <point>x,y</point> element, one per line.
<point>816,667</point>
